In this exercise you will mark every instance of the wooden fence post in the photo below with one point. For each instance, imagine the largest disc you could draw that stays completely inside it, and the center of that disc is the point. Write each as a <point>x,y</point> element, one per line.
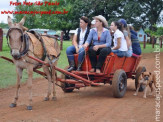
<point>161,41</point>
<point>144,41</point>
<point>61,41</point>
<point>1,39</point>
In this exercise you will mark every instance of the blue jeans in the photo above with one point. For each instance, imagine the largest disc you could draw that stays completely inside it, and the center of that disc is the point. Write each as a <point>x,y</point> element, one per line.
<point>129,53</point>
<point>71,50</point>
<point>119,53</point>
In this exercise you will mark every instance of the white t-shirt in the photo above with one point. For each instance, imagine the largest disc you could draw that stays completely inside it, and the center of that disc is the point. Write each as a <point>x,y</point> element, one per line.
<point>82,35</point>
<point>119,34</point>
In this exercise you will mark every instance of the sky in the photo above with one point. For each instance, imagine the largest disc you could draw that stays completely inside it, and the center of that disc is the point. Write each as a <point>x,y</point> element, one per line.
<point>5,5</point>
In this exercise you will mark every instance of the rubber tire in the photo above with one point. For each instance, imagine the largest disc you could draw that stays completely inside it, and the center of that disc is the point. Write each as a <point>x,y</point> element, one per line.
<point>116,83</point>
<point>138,73</point>
<point>66,85</point>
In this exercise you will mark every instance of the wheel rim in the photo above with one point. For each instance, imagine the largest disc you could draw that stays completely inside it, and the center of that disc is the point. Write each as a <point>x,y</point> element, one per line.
<point>122,83</point>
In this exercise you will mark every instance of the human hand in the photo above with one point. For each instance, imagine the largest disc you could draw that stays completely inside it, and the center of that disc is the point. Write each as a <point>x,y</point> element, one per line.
<point>96,47</point>
<point>77,49</point>
<point>85,46</point>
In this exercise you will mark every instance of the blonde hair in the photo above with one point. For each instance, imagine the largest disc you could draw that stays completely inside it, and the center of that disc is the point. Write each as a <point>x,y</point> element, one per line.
<point>128,30</point>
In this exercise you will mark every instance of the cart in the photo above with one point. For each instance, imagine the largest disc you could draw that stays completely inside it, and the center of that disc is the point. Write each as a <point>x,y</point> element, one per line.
<point>115,71</point>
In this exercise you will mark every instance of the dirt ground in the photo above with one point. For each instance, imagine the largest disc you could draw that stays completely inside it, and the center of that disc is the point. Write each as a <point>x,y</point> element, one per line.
<point>90,104</point>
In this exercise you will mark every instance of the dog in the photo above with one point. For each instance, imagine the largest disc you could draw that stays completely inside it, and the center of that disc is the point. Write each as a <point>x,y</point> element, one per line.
<point>146,78</point>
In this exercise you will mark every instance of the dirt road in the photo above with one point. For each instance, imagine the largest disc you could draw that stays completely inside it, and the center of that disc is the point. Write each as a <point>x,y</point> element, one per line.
<point>90,104</point>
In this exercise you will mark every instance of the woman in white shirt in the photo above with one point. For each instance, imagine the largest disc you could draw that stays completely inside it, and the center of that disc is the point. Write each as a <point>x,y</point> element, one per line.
<point>120,44</point>
<point>127,35</point>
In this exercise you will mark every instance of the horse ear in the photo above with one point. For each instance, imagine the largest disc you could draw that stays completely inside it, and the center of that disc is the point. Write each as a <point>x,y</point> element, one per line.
<point>22,21</point>
<point>9,21</point>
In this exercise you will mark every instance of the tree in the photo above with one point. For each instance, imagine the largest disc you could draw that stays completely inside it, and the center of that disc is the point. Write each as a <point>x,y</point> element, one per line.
<point>3,25</point>
<point>142,12</point>
<point>137,12</point>
<point>30,18</point>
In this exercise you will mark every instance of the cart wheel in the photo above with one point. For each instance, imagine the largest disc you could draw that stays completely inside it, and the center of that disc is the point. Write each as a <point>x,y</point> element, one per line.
<point>66,85</point>
<point>138,73</point>
<point>119,83</point>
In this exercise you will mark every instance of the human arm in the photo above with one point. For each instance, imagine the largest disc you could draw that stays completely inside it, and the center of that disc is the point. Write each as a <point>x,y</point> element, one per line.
<point>89,39</point>
<point>128,40</point>
<point>74,42</point>
<point>108,39</point>
<point>118,44</point>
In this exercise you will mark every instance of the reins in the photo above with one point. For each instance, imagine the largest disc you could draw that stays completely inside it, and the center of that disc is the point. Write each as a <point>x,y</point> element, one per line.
<point>24,38</point>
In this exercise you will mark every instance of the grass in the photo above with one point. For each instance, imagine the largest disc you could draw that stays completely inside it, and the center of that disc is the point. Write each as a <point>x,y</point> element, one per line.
<point>8,70</point>
<point>149,48</point>
<point>8,73</point>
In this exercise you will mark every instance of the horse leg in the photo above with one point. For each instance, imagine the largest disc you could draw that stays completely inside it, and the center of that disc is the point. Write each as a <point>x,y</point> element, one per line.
<point>19,76</point>
<point>54,77</point>
<point>29,84</point>
<point>46,70</point>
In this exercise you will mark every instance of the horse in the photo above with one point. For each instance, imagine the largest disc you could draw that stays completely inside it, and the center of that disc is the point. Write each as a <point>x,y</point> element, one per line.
<point>21,47</point>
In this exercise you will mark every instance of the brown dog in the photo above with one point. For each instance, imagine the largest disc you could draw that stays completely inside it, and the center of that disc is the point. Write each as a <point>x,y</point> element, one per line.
<point>146,78</point>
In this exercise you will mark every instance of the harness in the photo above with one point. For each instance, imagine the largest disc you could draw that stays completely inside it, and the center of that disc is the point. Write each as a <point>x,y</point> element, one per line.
<point>38,36</point>
<point>24,38</point>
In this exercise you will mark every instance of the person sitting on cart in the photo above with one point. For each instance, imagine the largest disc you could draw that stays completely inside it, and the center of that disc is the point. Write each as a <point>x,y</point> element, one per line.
<point>135,42</point>
<point>120,44</point>
<point>127,36</point>
<point>101,43</point>
<point>79,39</point>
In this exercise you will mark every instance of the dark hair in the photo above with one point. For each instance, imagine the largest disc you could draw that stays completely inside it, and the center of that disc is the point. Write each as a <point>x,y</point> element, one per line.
<point>119,26</point>
<point>86,20</point>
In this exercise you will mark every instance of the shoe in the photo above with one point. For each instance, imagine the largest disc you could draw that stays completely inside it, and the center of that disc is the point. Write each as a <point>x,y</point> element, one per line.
<point>92,70</point>
<point>98,71</point>
<point>79,66</point>
<point>72,66</point>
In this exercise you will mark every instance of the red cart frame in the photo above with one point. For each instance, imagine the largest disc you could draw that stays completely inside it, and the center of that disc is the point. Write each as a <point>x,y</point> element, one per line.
<point>115,71</point>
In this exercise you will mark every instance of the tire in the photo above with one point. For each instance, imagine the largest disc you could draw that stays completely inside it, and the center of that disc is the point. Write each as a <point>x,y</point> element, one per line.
<point>66,85</point>
<point>119,83</point>
<point>138,73</point>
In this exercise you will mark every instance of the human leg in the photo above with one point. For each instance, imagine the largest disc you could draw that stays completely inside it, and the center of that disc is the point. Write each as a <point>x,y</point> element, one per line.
<point>70,51</point>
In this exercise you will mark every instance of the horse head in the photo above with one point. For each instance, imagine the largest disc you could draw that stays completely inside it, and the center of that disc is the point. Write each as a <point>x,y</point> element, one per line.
<point>15,36</point>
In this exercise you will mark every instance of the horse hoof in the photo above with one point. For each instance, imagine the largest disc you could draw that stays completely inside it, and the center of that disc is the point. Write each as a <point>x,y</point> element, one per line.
<point>12,105</point>
<point>29,107</point>
<point>46,99</point>
<point>54,98</point>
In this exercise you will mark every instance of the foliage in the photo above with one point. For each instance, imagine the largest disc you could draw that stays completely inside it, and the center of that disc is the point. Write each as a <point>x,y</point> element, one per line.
<point>137,12</point>
<point>158,32</point>
<point>3,25</point>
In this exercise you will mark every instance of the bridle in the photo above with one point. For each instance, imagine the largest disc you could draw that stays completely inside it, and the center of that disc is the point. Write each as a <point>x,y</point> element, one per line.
<point>24,38</point>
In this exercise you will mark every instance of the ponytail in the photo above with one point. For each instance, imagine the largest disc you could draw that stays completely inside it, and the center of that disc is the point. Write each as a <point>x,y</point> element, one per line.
<point>119,26</point>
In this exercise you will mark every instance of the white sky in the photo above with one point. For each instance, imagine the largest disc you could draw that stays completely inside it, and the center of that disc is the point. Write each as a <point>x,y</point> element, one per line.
<point>5,5</point>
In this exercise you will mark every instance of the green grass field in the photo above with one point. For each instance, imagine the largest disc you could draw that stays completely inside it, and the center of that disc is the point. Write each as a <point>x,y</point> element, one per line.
<point>8,73</point>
